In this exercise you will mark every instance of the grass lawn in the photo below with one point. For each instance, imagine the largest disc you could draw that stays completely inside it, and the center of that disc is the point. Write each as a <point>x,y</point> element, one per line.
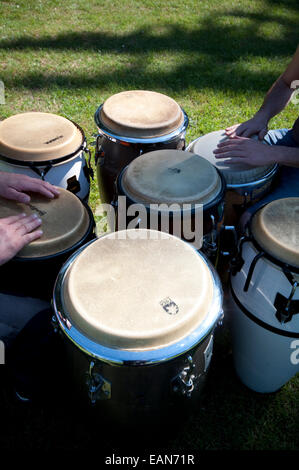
<point>217,59</point>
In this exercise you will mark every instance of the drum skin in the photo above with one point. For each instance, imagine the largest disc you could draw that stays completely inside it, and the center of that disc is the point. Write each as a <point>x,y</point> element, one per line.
<point>130,373</point>
<point>132,123</point>
<point>170,178</point>
<point>46,146</point>
<point>245,185</point>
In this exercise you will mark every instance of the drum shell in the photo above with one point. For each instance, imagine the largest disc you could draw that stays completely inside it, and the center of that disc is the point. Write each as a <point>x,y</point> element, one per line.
<point>139,391</point>
<point>71,174</point>
<point>141,383</point>
<point>262,358</point>
<point>261,343</point>
<point>35,277</point>
<point>238,199</point>
<point>114,155</point>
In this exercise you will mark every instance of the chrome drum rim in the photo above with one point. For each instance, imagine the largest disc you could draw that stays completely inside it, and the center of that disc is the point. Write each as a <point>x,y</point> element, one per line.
<point>103,130</point>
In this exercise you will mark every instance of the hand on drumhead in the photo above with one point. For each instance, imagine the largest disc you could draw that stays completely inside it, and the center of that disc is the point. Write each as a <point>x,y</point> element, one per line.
<point>15,187</point>
<point>255,126</point>
<point>16,232</point>
<point>244,150</point>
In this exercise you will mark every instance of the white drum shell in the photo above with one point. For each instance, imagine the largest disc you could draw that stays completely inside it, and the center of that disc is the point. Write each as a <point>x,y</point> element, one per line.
<point>262,357</point>
<point>58,174</point>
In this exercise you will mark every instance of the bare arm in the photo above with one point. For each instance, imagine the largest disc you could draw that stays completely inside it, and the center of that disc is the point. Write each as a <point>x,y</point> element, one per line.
<point>275,101</point>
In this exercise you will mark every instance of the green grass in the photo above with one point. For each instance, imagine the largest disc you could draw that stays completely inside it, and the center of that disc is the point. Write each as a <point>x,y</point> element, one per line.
<point>216,59</point>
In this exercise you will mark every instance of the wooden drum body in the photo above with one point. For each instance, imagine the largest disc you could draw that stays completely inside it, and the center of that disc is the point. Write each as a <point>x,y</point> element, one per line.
<point>265,298</point>
<point>46,146</point>
<point>132,123</point>
<point>138,353</point>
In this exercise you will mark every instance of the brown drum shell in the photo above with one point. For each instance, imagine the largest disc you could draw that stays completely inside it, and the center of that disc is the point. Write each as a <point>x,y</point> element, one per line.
<point>112,157</point>
<point>237,201</point>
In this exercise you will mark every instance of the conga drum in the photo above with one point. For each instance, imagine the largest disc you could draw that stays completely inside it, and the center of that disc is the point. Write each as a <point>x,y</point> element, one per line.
<point>265,298</point>
<point>181,193</point>
<point>137,310</point>
<point>129,124</point>
<point>245,184</point>
<point>67,223</point>
<point>46,146</point>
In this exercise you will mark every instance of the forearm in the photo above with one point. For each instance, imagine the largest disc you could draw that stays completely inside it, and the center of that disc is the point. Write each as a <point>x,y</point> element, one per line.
<point>275,100</point>
<point>288,156</point>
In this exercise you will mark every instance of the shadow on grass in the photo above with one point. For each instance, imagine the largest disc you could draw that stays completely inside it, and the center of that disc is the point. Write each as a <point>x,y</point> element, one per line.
<point>215,51</point>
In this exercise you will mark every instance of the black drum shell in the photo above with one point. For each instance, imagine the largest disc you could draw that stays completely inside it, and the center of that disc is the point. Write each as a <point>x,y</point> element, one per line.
<point>140,393</point>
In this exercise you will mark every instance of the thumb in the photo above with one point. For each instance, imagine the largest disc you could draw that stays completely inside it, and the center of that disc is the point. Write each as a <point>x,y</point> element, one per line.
<point>262,134</point>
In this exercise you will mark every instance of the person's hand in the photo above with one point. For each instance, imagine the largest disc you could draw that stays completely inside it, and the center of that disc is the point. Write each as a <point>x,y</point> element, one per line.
<point>15,186</point>
<point>244,150</point>
<point>258,125</point>
<point>17,231</point>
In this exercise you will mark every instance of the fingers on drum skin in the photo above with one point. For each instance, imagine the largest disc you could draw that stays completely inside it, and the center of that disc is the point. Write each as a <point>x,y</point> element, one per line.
<point>12,219</point>
<point>28,223</point>
<point>231,153</point>
<point>232,161</point>
<point>30,237</point>
<point>43,187</point>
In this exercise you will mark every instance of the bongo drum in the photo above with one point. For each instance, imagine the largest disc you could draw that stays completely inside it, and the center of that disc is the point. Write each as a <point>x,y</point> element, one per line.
<point>137,310</point>
<point>46,146</point>
<point>245,184</point>
<point>131,123</point>
<point>174,186</point>
<point>67,223</point>
<point>265,297</point>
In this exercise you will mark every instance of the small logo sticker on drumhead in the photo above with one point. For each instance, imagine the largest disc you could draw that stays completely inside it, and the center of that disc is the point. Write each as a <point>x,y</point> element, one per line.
<point>174,170</point>
<point>169,306</point>
<point>53,140</point>
<point>39,211</point>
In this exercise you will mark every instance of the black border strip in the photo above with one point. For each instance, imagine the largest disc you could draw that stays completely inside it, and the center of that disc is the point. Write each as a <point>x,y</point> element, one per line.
<point>259,322</point>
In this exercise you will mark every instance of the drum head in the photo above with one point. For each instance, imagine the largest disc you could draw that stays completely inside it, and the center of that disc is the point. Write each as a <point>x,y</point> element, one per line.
<point>140,113</point>
<point>65,221</point>
<point>138,290</point>
<point>171,177</point>
<point>38,137</point>
<point>275,227</point>
<point>234,174</point>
